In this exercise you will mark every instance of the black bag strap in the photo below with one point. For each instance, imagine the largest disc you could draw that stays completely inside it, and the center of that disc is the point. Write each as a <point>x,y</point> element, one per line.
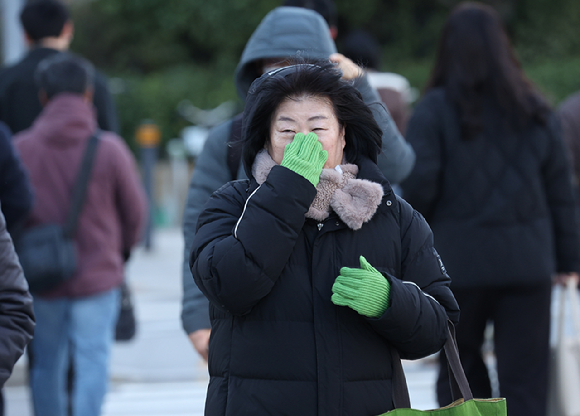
<point>459,384</point>
<point>234,154</point>
<point>81,184</point>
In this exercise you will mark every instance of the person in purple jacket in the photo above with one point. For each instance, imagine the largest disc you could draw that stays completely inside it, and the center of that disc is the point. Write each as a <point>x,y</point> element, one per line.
<point>82,311</point>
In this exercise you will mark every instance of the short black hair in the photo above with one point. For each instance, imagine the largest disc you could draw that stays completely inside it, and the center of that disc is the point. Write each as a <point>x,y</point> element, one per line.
<point>362,48</point>
<point>43,18</point>
<point>64,72</point>
<point>326,8</point>
<point>322,79</point>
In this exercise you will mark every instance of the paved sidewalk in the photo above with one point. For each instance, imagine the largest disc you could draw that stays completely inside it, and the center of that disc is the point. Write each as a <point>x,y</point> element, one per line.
<point>158,373</point>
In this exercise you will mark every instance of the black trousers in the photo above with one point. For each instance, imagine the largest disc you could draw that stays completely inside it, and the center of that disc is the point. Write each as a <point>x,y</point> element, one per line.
<point>521,318</point>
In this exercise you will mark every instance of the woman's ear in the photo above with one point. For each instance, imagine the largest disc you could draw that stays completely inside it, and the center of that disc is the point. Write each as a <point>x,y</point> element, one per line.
<point>342,135</point>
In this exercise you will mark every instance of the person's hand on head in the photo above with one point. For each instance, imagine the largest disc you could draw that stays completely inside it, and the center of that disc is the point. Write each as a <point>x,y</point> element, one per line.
<point>200,341</point>
<point>349,69</point>
<point>305,156</point>
<point>365,290</point>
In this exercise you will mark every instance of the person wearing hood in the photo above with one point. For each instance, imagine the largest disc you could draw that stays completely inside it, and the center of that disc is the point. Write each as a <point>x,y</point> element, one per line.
<point>81,312</point>
<point>314,268</point>
<point>284,33</point>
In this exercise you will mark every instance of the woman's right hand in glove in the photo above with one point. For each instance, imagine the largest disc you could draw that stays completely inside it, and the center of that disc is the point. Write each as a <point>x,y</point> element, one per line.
<point>305,156</point>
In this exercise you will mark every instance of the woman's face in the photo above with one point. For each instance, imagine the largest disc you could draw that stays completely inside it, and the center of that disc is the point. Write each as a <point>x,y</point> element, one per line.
<point>305,115</point>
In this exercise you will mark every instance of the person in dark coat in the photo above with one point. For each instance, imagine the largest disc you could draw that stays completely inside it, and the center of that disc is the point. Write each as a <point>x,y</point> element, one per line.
<point>569,113</point>
<point>49,31</point>
<point>313,267</point>
<point>15,191</point>
<point>493,181</point>
<point>16,312</point>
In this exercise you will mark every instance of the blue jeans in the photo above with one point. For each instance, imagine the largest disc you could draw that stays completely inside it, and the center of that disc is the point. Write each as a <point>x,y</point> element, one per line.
<point>86,325</point>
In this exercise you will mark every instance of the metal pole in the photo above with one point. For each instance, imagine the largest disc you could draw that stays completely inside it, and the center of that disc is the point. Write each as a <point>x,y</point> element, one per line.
<point>148,137</point>
<point>13,44</point>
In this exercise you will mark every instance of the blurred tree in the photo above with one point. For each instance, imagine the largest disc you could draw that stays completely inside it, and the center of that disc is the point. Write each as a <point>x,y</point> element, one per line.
<point>166,51</point>
<point>151,35</point>
<point>169,50</point>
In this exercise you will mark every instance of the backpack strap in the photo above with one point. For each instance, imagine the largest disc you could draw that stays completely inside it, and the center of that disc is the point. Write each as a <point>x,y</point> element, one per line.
<point>234,153</point>
<point>81,184</point>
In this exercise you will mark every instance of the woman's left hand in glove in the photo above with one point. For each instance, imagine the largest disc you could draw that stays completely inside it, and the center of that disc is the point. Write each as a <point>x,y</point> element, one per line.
<point>365,290</point>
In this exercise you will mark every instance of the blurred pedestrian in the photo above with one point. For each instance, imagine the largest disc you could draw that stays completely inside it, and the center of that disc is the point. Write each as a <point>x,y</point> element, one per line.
<point>15,191</point>
<point>81,312</point>
<point>395,91</point>
<point>493,181</point>
<point>569,113</point>
<point>16,312</point>
<point>315,270</point>
<point>48,30</point>
<point>282,34</point>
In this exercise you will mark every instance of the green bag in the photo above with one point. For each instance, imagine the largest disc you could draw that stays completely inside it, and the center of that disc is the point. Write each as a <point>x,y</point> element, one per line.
<point>464,404</point>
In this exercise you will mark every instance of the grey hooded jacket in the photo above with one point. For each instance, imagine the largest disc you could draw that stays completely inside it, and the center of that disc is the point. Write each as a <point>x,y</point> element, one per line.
<point>284,32</point>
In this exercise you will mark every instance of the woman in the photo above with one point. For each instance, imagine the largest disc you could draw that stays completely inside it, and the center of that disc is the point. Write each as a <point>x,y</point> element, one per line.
<point>314,268</point>
<point>493,182</point>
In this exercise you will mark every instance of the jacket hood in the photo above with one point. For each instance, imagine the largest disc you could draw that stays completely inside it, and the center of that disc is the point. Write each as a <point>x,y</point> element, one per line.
<point>66,119</point>
<point>284,32</point>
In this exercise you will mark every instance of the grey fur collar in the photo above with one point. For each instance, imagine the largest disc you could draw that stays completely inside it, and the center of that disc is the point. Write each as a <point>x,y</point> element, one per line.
<point>354,200</point>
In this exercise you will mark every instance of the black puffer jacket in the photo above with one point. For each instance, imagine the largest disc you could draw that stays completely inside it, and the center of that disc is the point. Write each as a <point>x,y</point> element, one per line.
<point>16,312</point>
<point>500,205</point>
<point>279,346</point>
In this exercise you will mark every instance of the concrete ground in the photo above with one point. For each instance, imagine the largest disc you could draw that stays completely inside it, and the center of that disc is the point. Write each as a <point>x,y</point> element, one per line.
<point>158,373</point>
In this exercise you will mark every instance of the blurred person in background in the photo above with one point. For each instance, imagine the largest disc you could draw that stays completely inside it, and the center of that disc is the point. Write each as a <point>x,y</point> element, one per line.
<point>49,31</point>
<point>15,191</point>
<point>78,317</point>
<point>569,113</point>
<point>493,181</point>
<point>282,34</point>
<point>395,91</point>
<point>315,270</point>
<point>16,312</point>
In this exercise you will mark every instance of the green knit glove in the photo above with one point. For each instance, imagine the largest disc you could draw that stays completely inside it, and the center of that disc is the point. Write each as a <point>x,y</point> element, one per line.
<point>304,155</point>
<point>365,290</point>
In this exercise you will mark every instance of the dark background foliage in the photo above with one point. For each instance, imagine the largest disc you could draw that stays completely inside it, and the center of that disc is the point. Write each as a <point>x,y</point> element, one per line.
<point>159,52</point>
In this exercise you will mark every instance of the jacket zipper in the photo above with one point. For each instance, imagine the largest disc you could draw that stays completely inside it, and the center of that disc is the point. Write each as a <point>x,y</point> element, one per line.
<point>320,225</point>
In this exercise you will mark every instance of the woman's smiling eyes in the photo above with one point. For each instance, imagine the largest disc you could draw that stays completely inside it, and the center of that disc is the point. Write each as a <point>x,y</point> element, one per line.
<point>288,131</point>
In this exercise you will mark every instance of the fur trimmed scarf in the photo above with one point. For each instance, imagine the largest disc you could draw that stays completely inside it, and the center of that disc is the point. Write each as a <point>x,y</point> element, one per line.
<point>354,200</point>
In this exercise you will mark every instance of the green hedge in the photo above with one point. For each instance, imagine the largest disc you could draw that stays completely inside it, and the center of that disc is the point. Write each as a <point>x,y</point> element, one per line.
<point>165,51</point>
<point>555,78</point>
<point>155,96</point>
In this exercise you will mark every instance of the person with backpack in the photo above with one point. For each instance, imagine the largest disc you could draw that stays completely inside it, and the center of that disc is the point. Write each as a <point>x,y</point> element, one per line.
<point>78,316</point>
<point>284,33</point>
